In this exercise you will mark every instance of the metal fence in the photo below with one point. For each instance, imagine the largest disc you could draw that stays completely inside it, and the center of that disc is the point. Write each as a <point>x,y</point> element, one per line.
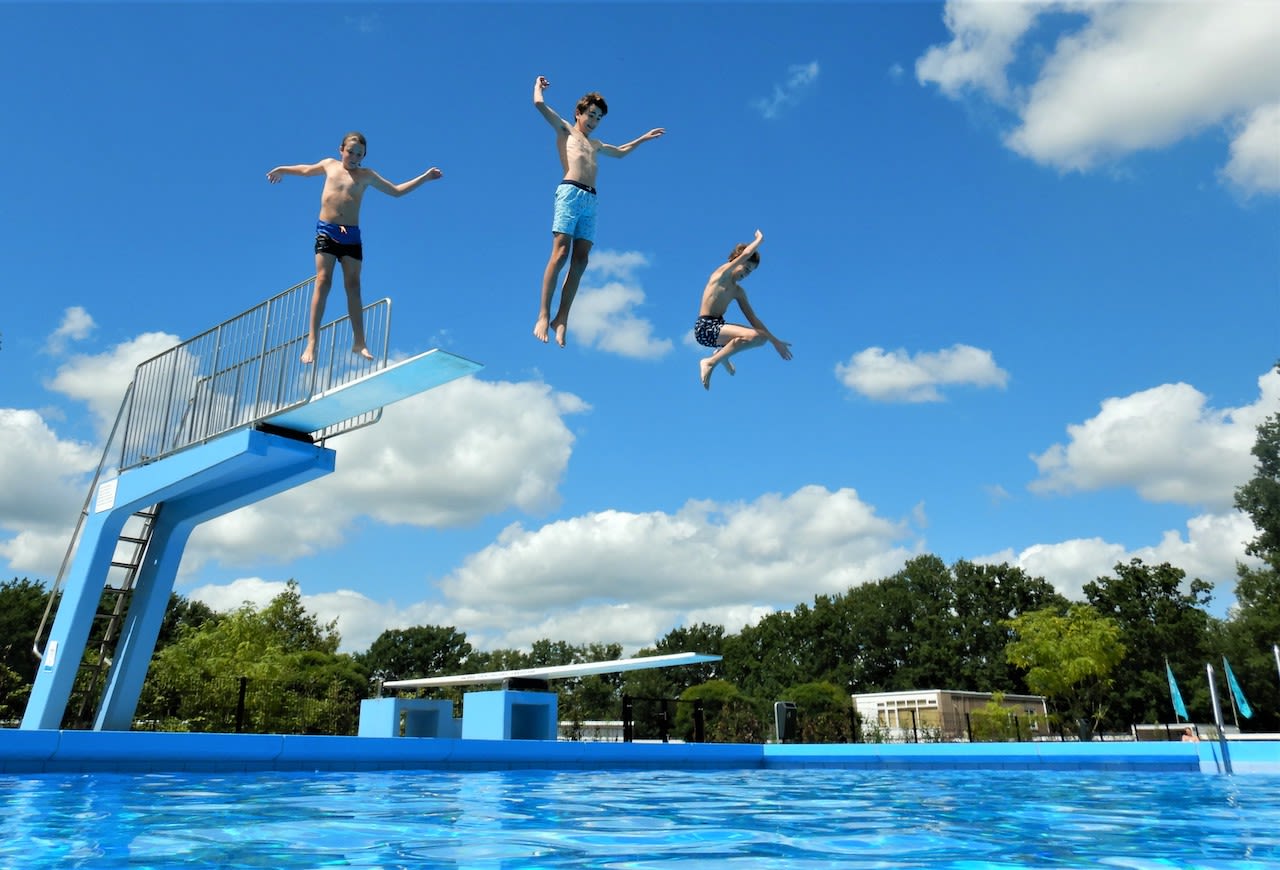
<point>241,371</point>
<point>242,705</point>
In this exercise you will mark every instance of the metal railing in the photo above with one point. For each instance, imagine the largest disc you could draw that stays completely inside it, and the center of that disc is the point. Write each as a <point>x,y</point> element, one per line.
<point>234,375</point>
<point>242,371</point>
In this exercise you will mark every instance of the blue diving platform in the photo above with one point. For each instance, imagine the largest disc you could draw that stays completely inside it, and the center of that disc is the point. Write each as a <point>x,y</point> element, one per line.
<point>219,422</point>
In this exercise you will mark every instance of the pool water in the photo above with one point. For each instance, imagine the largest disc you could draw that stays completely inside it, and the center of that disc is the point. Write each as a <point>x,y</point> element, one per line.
<point>738,818</point>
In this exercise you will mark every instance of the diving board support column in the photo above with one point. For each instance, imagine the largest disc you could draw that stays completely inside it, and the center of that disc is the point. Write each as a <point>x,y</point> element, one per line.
<point>155,579</point>
<point>510,714</point>
<point>194,485</point>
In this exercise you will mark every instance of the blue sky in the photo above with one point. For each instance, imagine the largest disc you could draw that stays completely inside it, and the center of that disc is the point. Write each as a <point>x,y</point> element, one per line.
<point>1027,255</point>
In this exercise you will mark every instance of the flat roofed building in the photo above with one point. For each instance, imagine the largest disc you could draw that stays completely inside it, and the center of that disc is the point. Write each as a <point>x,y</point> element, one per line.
<point>940,713</point>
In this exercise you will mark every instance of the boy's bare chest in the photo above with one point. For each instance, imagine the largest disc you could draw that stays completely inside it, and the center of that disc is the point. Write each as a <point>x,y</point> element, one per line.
<point>343,184</point>
<point>579,148</point>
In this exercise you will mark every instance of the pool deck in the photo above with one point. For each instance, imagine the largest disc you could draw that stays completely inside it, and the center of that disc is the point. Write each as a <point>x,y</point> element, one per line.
<point>48,751</point>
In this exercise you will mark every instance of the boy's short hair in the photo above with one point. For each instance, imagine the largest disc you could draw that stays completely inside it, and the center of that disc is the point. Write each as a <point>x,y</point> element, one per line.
<point>742,246</point>
<point>356,135</point>
<point>589,100</point>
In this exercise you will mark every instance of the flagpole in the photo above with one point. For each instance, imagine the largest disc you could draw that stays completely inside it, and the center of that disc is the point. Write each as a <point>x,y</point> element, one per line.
<point>1232,696</point>
<point>1217,720</point>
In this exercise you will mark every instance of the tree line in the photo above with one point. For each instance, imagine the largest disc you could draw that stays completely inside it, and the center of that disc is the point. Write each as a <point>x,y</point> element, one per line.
<point>964,626</point>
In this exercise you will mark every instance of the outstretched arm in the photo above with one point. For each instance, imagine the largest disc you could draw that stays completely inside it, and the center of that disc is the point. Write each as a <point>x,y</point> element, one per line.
<point>624,150</point>
<point>378,182</point>
<point>280,172</point>
<point>782,347</point>
<point>560,124</point>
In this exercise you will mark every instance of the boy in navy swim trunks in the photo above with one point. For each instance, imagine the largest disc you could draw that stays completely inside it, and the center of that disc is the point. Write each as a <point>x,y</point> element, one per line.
<point>710,330</point>
<point>574,226</point>
<point>338,230</point>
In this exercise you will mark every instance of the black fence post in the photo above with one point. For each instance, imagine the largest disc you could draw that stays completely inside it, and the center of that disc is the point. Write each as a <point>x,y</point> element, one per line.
<point>1017,729</point>
<point>914,731</point>
<point>968,725</point>
<point>244,682</point>
<point>664,721</point>
<point>854,731</point>
<point>699,722</point>
<point>628,723</point>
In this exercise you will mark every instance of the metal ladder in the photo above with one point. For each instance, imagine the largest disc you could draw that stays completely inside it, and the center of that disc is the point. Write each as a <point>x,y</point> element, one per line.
<point>131,550</point>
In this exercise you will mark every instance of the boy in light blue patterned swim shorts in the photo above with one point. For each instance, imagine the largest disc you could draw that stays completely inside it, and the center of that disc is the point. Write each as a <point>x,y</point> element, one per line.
<point>573,229</point>
<point>575,214</point>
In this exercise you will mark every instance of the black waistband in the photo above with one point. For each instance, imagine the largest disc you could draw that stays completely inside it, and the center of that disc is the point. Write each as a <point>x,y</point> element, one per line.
<point>579,185</point>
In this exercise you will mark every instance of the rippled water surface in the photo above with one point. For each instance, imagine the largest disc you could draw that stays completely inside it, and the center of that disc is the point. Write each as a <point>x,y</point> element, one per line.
<point>792,818</point>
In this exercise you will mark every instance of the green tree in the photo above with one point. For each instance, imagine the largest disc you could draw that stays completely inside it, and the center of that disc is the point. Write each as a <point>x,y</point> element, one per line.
<point>993,721</point>
<point>595,696</point>
<point>763,658</point>
<point>14,691</point>
<point>22,603</point>
<point>729,716</point>
<point>289,661</point>
<point>668,683</point>
<point>420,651</point>
<point>1158,620</point>
<point>1254,627</point>
<point>1260,497</point>
<point>985,598</point>
<point>182,614</point>
<point>927,626</point>
<point>823,712</point>
<point>1068,658</point>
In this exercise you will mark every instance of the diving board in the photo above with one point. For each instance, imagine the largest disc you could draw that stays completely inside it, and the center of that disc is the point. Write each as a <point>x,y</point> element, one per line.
<point>554,672</point>
<point>372,391</point>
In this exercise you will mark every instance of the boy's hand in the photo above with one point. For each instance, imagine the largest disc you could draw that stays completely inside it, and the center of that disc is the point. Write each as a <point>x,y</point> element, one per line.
<point>433,173</point>
<point>274,176</point>
<point>653,134</point>
<point>783,348</point>
<point>542,83</point>
<point>759,236</point>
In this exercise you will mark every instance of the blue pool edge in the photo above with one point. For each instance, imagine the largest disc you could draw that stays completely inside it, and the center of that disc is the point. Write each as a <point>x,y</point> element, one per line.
<point>50,751</point>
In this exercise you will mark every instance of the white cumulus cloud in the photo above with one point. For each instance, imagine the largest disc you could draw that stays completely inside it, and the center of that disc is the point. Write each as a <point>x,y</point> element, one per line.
<point>76,325</point>
<point>1164,442</point>
<point>605,311</point>
<point>800,78</point>
<point>1211,548</point>
<point>1254,166</point>
<point>897,376</point>
<point>1121,77</point>
<point>446,458</point>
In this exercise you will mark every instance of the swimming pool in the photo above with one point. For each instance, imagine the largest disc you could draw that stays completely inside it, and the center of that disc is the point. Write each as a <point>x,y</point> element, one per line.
<point>641,819</point>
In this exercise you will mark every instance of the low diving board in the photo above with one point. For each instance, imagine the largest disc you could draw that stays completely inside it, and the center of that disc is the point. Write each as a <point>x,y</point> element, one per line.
<point>372,391</point>
<point>553,672</point>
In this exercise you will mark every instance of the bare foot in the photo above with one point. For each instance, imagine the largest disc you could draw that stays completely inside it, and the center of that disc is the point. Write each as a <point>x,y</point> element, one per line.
<point>308,354</point>
<point>540,330</point>
<point>728,365</point>
<point>559,327</point>
<point>363,351</point>
<point>705,367</point>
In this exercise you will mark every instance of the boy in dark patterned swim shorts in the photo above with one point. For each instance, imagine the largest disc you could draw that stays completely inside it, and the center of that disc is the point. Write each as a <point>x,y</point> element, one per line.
<point>710,330</point>
<point>338,230</point>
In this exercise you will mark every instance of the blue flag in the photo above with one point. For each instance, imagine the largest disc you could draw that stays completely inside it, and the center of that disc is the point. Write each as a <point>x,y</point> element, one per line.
<point>1245,709</point>
<point>1179,708</point>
